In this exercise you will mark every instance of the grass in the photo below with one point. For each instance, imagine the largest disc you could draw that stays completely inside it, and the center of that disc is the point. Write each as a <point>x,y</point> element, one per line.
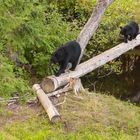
<point>96,117</point>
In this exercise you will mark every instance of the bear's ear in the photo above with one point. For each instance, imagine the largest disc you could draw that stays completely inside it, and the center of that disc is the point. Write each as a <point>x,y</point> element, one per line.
<point>121,27</point>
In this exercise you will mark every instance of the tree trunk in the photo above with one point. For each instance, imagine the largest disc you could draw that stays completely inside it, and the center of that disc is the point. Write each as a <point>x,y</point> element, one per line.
<point>50,84</point>
<point>92,24</point>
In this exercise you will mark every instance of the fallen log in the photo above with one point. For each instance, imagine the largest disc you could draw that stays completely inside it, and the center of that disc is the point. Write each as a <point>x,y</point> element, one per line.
<point>50,84</point>
<point>52,112</point>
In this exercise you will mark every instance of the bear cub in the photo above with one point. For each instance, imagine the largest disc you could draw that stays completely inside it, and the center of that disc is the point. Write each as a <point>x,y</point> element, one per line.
<point>130,31</point>
<point>68,53</point>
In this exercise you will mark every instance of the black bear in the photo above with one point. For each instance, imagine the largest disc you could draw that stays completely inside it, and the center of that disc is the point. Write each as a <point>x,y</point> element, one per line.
<point>68,53</point>
<point>130,31</point>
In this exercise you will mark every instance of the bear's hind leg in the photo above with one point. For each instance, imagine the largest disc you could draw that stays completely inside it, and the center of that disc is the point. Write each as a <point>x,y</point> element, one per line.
<point>135,35</point>
<point>74,64</point>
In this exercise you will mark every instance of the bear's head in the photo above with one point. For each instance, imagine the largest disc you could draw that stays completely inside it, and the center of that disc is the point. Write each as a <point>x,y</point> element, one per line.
<point>53,59</point>
<point>123,31</point>
<point>58,56</point>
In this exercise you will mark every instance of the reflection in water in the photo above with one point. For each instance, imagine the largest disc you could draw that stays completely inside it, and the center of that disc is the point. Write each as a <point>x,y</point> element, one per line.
<point>125,86</point>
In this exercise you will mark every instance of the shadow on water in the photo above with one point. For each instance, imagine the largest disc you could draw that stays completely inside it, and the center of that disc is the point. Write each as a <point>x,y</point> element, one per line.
<point>125,86</point>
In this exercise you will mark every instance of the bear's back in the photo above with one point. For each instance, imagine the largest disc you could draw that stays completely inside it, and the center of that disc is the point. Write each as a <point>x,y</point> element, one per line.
<point>134,26</point>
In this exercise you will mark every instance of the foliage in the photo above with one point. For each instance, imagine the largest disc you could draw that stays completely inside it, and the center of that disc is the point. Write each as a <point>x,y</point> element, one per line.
<point>74,9</point>
<point>34,32</point>
<point>10,84</point>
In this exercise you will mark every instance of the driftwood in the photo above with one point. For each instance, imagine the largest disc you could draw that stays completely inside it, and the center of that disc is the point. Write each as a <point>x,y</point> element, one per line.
<point>53,114</point>
<point>50,84</point>
<point>92,24</point>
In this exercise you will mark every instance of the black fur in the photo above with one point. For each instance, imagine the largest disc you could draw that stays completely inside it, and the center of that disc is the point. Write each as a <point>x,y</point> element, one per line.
<point>130,31</point>
<point>68,53</point>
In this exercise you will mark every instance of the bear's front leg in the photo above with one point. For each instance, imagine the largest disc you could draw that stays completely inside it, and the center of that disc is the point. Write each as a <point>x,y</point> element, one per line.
<point>131,37</point>
<point>63,66</point>
<point>125,38</point>
<point>61,70</point>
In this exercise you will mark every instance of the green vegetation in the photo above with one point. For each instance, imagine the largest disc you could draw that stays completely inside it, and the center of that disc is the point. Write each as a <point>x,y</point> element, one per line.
<point>33,30</point>
<point>96,117</point>
<point>8,83</point>
<point>30,32</point>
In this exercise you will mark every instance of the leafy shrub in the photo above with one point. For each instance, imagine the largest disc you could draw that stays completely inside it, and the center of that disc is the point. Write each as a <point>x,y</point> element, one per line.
<point>34,32</point>
<point>9,83</point>
<point>74,9</point>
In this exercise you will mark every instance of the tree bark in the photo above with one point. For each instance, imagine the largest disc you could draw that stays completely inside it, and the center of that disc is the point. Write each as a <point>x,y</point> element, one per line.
<point>92,24</point>
<point>53,114</point>
<point>50,84</point>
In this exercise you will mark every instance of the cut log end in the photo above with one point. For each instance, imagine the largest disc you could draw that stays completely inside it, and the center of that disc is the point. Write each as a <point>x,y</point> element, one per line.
<point>55,119</point>
<point>49,84</point>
